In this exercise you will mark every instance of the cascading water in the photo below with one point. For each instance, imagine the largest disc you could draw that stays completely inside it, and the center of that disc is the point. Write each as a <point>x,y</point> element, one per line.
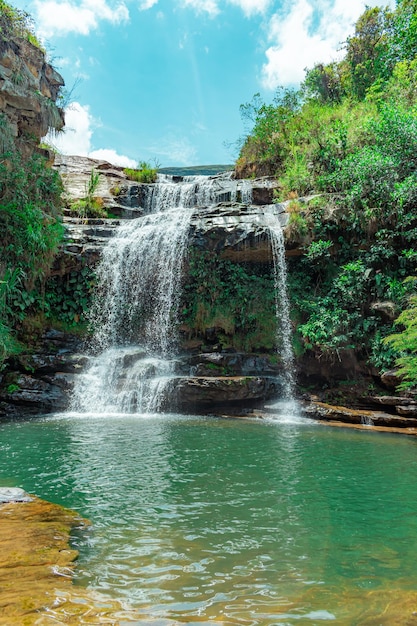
<point>135,315</point>
<point>282,303</point>
<point>139,279</point>
<point>195,191</point>
<point>135,312</point>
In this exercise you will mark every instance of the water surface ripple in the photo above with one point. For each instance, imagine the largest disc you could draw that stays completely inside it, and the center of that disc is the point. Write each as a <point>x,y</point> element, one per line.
<point>203,520</point>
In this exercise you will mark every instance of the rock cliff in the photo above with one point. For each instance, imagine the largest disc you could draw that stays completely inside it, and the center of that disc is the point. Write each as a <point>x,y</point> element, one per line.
<point>29,88</point>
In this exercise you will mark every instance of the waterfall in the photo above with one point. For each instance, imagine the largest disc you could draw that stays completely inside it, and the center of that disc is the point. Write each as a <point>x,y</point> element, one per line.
<point>282,303</point>
<point>135,311</point>
<point>195,191</point>
<point>138,283</point>
<point>135,315</point>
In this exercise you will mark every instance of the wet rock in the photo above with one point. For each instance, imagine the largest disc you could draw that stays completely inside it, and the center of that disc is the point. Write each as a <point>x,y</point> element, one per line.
<point>407,410</point>
<point>37,566</point>
<point>389,400</point>
<point>27,391</point>
<point>327,412</point>
<point>264,190</point>
<point>40,364</point>
<point>234,231</point>
<point>231,364</point>
<point>209,391</point>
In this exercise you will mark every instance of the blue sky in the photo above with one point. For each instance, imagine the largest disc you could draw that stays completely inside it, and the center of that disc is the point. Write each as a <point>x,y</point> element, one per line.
<point>162,80</point>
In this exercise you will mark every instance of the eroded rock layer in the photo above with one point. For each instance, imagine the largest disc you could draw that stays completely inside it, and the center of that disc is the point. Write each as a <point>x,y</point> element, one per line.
<point>29,88</point>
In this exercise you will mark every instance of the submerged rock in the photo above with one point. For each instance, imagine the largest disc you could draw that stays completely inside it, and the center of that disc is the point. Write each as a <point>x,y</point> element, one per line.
<point>37,566</point>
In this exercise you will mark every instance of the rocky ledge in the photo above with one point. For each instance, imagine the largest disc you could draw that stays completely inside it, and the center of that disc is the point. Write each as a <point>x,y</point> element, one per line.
<point>41,382</point>
<point>37,566</point>
<point>360,417</point>
<point>127,198</point>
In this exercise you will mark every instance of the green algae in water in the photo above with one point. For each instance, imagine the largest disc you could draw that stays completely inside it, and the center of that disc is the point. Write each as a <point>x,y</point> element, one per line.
<point>209,520</point>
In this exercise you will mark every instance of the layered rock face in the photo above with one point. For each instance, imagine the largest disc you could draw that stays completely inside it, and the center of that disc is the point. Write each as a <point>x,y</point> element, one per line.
<point>29,88</point>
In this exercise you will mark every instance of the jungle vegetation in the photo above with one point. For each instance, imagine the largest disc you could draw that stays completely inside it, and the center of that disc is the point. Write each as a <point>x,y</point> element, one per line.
<point>346,143</point>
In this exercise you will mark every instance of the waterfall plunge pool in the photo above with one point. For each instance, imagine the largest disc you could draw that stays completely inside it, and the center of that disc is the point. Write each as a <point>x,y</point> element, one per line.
<point>207,520</point>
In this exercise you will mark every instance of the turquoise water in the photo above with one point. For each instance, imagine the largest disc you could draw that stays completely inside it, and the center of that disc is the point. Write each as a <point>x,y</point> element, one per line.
<point>206,520</point>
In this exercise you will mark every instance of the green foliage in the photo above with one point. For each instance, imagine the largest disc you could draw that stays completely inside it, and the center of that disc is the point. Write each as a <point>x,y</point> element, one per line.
<point>17,23</point>
<point>30,201</point>
<point>324,83</point>
<point>297,226</point>
<point>69,300</point>
<point>405,342</point>
<point>319,250</point>
<point>350,135</point>
<point>367,51</point>
<point>231,302</point>
<point>144,173</point>
<point>267,142</point>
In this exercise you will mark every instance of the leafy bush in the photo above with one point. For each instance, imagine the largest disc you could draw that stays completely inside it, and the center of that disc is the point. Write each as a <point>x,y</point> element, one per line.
<point>144,173</point>
<point>319,250</point>
<point>69,299</point>
<point>14,22</point>
<point>233,301</point>
<point>30,204</point>
<point>405,342</point>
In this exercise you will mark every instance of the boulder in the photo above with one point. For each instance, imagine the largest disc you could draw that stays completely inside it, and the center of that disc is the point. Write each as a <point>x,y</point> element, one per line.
<point>13,494</point>
<point>408,410</point>
<point>214,364</point>
<point>34,393</point>
<point>119,195</point>
<point>387,310</point>
<point>197,392</point>
<point>390,379</point>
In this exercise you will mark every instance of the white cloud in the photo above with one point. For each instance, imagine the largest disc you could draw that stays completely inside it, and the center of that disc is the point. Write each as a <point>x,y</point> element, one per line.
<point>60,18</point>
<point>202,6</point>
<point>76,138</point>
<point>110,155</point>
<point>147,4</point>
<point>250,7</point>
<point>310,32</point>
<point>178,150</point>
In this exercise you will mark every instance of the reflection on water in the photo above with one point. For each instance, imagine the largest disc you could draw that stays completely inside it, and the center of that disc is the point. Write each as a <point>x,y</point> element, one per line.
<point>207,520</point>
